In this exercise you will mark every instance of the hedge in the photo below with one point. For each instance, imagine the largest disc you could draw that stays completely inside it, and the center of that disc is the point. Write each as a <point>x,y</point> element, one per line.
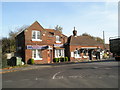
<point>4,61</point>
<point>61,59</point>
<point>56,60</point>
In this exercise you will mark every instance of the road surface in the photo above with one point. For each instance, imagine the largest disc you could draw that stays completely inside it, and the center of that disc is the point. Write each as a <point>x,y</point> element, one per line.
<point>81,75</point>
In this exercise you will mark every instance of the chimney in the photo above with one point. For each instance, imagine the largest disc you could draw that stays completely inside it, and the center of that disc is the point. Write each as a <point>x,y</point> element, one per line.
<point>74,32</point>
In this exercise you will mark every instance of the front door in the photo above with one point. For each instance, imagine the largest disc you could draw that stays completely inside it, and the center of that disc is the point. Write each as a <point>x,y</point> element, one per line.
<point>50,56</point>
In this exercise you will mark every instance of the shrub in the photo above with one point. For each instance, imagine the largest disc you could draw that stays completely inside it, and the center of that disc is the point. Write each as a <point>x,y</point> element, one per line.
<point>31,61</point>
<point>59,60</point>
<point>56,59</point>
<point>66,58</point>
<point>62,59</point>
<point>4,61</point>
<point>53,59</point>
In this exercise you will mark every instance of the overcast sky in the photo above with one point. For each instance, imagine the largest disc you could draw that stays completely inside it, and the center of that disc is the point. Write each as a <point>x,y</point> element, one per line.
<point>90,17</point>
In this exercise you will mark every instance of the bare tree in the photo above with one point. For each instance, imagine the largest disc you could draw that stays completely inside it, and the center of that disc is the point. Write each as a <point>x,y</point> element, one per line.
<point>8,44</point>
<point>59,28</point>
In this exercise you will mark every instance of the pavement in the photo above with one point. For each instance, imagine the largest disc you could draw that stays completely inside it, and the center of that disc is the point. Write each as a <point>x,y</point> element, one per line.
<point>29,67</point>
<point>36,66</point>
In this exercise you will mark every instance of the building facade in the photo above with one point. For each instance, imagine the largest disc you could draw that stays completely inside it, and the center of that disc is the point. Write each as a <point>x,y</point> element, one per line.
<point>43,45</point>
<point>82,48</point>
<point>40,44</point>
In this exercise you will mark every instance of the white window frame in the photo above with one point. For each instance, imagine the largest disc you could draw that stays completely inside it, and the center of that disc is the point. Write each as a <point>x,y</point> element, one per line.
<point>84,53</point>
<point>57,53</point>
<point>77,55</point>
<point>58,39</point>
<point>35,52</point>
<point>36,35</point>
<point>72,54</point>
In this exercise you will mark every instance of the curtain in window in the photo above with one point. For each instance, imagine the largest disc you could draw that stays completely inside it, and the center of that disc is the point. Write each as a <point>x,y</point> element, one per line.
<point>59,53</point>
<point>36,35</point>
<point>36,53</point>
<point>33,35</point>
<point>57,38</point>
<point>33,53</point>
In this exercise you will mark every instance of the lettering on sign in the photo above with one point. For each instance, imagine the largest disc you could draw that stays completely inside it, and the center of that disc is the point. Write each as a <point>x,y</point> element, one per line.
<point>36,47</point>
<point>58,45</point>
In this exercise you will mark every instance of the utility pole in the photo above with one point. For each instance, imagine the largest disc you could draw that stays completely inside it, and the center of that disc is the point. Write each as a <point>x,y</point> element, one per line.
<point>104,39</point>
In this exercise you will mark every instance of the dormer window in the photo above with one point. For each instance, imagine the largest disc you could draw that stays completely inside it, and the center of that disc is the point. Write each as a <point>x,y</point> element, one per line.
<point>58,39</point>
<point>52,33</point>
<point>36,35</point>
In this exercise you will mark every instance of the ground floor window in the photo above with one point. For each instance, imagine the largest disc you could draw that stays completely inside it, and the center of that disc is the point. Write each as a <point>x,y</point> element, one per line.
<point>85,53</point>
<point>37,54</point>
<point>59,53</point>
<point>77,53</point>
<point>93,53</point>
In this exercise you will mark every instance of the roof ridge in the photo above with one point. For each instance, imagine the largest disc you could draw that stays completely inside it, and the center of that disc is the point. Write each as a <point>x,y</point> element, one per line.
<point>29,27</point>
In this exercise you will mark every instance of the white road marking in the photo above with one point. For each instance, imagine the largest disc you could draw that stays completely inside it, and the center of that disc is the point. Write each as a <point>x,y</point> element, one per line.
<point>36,78</point>
<point>75,76</point>
<point>55,75</point>
<point>60,77</point>
<point>95,67</point>
<point>99,77</point>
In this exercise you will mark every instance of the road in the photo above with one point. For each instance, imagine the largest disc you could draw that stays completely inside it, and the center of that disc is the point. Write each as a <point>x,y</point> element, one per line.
<point>81,75</point>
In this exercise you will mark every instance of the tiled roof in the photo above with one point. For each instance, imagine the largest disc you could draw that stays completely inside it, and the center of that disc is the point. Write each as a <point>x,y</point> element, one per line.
<point>82,40</point>
<point>50,30</point>
<point>55,31</point>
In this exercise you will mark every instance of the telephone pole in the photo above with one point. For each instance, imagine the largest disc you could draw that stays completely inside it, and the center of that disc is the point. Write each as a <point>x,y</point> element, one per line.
<point>103,39</point>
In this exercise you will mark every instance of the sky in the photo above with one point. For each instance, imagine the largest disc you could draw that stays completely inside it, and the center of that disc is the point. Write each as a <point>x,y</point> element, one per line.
<point>87,17</point>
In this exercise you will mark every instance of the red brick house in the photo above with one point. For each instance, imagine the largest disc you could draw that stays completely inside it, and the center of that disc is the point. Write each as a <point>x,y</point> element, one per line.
<point>40,44</point>
<point>81,47</point>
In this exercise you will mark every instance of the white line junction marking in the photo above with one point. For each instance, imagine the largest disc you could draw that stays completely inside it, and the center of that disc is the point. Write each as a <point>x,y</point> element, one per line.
<point>55,75</point>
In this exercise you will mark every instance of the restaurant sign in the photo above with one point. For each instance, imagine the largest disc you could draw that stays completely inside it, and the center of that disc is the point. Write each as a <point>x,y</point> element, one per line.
<point>36,47</point>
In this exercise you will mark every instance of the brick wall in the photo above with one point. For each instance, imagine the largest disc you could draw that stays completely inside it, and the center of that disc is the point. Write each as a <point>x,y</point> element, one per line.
<point>25,38</point>
<point>72,48</point>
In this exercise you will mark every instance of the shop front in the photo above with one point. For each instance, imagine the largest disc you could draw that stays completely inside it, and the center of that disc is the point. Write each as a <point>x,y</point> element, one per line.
<point>59,51</point>
<point>40,53</point>
<point>84,53</point>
